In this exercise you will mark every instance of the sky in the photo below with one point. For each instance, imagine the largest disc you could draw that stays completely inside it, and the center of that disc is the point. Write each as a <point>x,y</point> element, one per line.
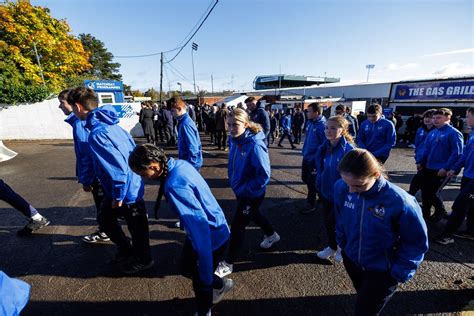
<point>241,39</point>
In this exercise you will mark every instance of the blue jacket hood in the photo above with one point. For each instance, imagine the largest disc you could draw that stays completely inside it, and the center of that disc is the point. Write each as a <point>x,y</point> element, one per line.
<point>249,165</point>
<point>191,198</point>
<point>382,229</point>
<point>105,114</point>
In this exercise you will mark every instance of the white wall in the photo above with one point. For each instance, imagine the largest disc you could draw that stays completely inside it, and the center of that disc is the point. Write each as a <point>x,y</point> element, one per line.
<point>44,120</point>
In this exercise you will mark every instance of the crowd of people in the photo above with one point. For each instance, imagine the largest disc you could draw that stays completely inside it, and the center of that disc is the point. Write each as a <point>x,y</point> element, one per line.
<point>376,229</point>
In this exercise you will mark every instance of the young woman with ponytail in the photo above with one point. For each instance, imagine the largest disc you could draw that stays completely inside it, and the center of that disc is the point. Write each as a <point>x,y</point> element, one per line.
<point>249,174</point>
<point>338,142</point>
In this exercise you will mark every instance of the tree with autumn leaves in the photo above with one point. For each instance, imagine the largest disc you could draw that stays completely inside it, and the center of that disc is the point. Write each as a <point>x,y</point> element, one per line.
<point>63,57</point>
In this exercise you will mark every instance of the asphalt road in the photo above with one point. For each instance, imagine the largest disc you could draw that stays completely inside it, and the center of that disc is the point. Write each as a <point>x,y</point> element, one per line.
<point>69,277</point>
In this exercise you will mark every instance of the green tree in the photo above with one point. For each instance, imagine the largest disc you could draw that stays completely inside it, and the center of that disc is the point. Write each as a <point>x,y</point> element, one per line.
<point>153,94</point>
<point>100,59</point>
<point>61,54</point>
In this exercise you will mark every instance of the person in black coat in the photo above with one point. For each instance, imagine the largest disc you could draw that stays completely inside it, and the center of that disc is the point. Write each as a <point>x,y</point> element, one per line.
<point>146,119</point>
<point>298,124</point>
<point>259,115</point>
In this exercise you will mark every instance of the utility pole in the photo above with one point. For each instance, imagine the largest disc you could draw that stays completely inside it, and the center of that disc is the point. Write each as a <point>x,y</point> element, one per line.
<point>193,48</point>
<point>212,84</point>
<point>161,76</point>
<point>39,64</point>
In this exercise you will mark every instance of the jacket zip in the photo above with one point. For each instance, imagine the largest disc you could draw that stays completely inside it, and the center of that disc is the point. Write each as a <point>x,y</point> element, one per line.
<point>360,227</point>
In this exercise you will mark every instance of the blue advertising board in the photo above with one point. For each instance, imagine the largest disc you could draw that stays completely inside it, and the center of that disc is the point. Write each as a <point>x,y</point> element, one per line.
<point>387,112</point>
<point>449,90</point>
<point>104,85</point>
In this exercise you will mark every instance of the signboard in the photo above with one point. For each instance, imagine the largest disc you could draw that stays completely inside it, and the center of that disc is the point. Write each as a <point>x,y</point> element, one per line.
<point>104,85</point>
<point>447,90</point>
<point>128,114</point>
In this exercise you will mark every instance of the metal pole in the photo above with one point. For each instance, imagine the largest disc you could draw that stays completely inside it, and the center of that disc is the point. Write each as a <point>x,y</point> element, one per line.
<point>368,72</point>
<point>161,76</point>
<point>194,77</point>
<point>212,84</point>
<point>39,64</point>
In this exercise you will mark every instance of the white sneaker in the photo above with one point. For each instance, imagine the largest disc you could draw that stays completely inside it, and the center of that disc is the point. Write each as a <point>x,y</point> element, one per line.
<point>268,241</point>
<point>338,256</point>
<point>223,269</point>
<point>207,314</point>
<point>412,146</point>
<point>326,253</point>
<point>218,295</point>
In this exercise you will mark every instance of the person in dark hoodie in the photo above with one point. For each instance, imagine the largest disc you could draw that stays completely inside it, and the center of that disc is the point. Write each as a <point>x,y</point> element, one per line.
<point>377,134</point>
<point>285,124</point>
<point>298,123</point>
<point>379,228</point>
<point>421,133</point>
<point>189,143</point>
<point>169,126</point>
<point>207,233</point>
<point>84,163</point>
<point>259,115</point>
<point>249,174</point>
<point>338,142</point>
<point>314,137</point>
<point>443,148</point>
<point>111,146</point>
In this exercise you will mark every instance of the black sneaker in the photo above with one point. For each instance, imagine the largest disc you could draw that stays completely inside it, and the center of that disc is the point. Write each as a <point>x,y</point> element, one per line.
<point>137,266</point>
<point>96,237</point>
<point>122,256</point>
<point>464,235</point>
<point>32,226</point>
<point>444,240</point>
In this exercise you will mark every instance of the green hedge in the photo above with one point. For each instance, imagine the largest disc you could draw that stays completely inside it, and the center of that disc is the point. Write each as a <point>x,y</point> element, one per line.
<point>23,94</point>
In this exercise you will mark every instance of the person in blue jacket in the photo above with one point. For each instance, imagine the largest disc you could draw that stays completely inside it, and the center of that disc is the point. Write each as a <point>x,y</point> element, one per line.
<point>379,228</point>
<point>259,115</point>
<point>463,206</point>
<point>338,143</point>
<point>249,174</point>
<point>377,134</point>
<point>123,189</point>
<point>285,124</point>
<point>84,163</point>
<point>421,133</point>
<point>341,110</point>
<point>207,233</point>
<point>314,137</point>
<point>189,143</point>
<point>443,147</point>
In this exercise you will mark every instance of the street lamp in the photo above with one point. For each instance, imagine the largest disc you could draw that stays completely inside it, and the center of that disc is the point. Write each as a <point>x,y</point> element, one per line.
<point>180,87</point>
<point>193,48</point>
<point>371,66</point>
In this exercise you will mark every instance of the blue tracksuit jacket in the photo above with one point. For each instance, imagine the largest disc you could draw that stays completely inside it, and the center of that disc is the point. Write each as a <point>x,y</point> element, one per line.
<point>84,161</point>
<point>204,222</point>
<point>327,159</point>
<point>443,147</point>
<point>381,229</point>
<point>189,143</point>
<point>378,137</point>
<point>111,146</point>
<point>467,159</point>
<point>420,138</point>
<point>286,123</point>
<point>314,138</point>
<point>249,165</point>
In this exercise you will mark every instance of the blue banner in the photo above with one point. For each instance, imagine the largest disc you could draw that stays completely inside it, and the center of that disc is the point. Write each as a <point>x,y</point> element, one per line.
<point>104,85</point>
<point>434,91</point>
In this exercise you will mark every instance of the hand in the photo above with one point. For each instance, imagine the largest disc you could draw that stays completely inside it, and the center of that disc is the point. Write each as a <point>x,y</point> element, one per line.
<point>87,188</point>
<point>451,173</point>
<point>419,167</point>
<point>442,173</point>
<point>116,203</point>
